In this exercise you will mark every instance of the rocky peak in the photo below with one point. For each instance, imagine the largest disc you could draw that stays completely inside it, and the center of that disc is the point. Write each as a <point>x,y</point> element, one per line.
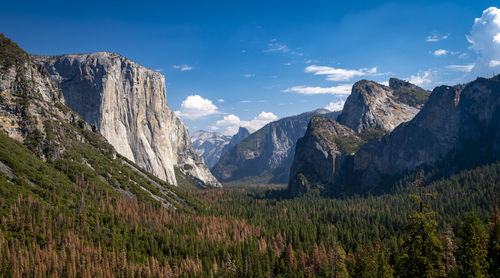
<point>373,106</point>
<point>127,103</point>
<point>209,145</point>
<point>320,153</point>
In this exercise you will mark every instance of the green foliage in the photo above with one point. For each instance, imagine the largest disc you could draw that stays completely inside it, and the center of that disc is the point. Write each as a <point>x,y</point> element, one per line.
<point>471,253</point>
<point>415,98</point>
<point>10,53</point>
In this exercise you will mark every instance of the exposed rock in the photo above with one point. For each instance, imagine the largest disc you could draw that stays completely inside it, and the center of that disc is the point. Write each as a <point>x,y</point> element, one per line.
<point>127,104</point>
<point>372,105</point>
<point>209,145</point>
<point>243,133</point>
<point>266,155</point>
<point>450,118</point>
<point>319,153</point>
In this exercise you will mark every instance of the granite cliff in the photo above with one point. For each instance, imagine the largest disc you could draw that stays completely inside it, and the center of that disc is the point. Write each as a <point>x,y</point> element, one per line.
<point>127,104</point>
<point>374,106</point>
<point>453,120</point>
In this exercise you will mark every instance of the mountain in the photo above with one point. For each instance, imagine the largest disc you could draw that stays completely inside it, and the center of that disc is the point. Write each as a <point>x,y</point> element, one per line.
<point>209,145</point>
<point>243,132</point>
<point>127,104</point>
<point>324,146</point>
<point>457,126</point>
<point>374,106</point>
<point>47,148</point>
<point>266,155</point>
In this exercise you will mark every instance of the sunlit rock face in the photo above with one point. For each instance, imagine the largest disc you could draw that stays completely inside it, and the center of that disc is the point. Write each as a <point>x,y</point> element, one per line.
<point>127,104</point>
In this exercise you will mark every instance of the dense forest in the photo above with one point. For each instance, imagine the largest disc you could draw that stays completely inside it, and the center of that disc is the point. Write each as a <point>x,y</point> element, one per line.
<point>59,221</point>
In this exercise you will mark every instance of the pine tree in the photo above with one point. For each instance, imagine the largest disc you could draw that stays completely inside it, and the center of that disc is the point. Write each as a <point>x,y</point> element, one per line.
<point>471,253</point>
<point>494,243</point>
<point>424,250</point>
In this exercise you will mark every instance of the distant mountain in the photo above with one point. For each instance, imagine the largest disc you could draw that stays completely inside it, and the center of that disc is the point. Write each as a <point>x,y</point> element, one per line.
<point>208,145</point>
<point>266,155</point>
<point>127,104</point>
<point>459,125</point>
<point>243,133</point>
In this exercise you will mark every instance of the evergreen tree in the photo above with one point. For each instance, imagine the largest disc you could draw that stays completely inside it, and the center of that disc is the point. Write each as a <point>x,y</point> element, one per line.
<point>471,253</point>
<point>424,250</point>
<point>494,243</point>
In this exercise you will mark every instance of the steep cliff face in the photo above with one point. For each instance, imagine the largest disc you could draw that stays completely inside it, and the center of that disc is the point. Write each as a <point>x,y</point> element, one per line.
<point>372,105</point>
<point>266,155</point>
<point>209,145</point>
<point>33,112</point>
<point>29,100</point>
<point>319,154</point>
<point>127,104</point>
<point>451,118</point>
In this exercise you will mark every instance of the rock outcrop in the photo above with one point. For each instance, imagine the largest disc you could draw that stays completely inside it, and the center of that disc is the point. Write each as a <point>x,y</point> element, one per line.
<point>373,106</point>
<point>127,104</point>
<point>209,145</point>
<point>266,155</point>
<point>450,120</point>
<point>319,154</point>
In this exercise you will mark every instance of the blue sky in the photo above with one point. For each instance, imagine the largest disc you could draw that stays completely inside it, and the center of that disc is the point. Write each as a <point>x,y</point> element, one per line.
<point>232,63</point>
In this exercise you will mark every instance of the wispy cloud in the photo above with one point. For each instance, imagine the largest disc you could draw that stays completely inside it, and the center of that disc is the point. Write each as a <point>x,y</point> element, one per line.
<point>276,47</point>
<point>338,74</point>
<point>462,68</point>
<point>183,67</point>
<point>248,75</point>
<point>435,37</point>
<point>335,90</point>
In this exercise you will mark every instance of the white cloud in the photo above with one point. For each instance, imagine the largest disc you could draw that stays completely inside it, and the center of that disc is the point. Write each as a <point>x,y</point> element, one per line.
<point>484,38</point>
<point>337,74</point>
<point>422,79</point>
<point>159,70</point>
<point>494,63</point>
<point>232,123</point>
<point>287,64</point>
<point>182,67</point>
<point>463,68</point>
<point>274,46</point>
<point>220,100</point>
<point>435,37</point>
<point>195,107</point>
<point>336,90</point>
<point>335,105</point>
<point>440,52</point>
<point>248,75</point>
